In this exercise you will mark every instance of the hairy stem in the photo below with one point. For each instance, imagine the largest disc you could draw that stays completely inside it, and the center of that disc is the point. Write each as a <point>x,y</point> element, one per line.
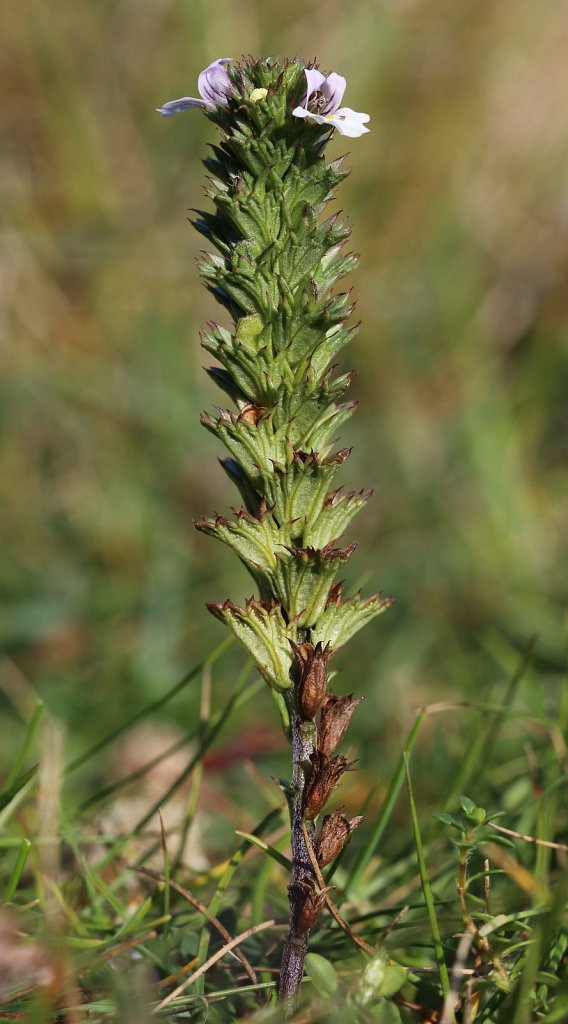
<point>296,943</point>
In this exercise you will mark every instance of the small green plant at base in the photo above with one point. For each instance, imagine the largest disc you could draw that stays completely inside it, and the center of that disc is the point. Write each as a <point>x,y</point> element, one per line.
<point>473,825</point>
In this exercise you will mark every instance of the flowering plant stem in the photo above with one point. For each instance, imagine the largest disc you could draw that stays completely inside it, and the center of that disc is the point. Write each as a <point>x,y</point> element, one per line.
<point>296,943</point>
<point>274,271</point>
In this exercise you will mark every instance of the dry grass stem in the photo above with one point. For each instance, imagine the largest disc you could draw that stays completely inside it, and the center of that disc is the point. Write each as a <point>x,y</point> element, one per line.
<point>329,902</point>
<point>186,895</point>
<point>214,959</point>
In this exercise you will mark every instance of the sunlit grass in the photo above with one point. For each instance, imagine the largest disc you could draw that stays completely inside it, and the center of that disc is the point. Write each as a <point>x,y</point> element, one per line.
<point>109,926</point>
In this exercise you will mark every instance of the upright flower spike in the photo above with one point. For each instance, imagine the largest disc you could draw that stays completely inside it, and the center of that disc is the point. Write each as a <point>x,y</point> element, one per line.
<point>275,263</point>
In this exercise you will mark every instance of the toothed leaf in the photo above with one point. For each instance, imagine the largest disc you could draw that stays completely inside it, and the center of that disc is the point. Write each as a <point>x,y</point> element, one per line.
<point>261,629</point>
<point>340,621</point>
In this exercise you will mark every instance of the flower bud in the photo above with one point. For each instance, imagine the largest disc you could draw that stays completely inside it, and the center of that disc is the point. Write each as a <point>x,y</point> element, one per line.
<point>325,775</point>
<point>334,835</point>
<point>335,717</point>
<point>311,668</point>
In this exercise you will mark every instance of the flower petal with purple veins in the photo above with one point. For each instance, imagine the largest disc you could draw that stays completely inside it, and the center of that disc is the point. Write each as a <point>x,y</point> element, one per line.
<point>214,83</point>
<point>215,88</point>
<point>333,89</point>
<point>321,104</point>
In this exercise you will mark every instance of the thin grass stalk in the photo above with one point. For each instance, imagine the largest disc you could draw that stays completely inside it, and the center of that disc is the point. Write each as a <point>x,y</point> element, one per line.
<point>428,895</point>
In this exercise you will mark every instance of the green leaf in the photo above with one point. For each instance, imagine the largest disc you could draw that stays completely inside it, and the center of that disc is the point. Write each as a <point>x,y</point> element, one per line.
<point>494,815</point>
<point>255,446</point>
<point>338,511</point>
<point>385,1012</point>
<point>246,364</point>
<point>340,621</point>
<point>371,980</point>
<point>255,539</point>
<point>249,329</point>
<point>81,942</point>
<point>188,944</point>
<point>449,819</point>
<point>261,629</point>
<point>498,839</point>
<point>378,981</point>
<point>468,807</point>
<point>322,974</point>
<point>331,343</point>
<point>298,488</point>
<point>303,579</point>
<point>394,979</point>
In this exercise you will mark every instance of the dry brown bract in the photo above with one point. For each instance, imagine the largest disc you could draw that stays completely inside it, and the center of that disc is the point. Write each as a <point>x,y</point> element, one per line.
<point>325,775</point>
<point>335,717</point>
<point>334,835</point>
<point>311,668</point>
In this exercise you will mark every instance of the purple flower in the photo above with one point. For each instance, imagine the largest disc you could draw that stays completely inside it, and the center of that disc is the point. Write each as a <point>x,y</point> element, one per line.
<point>322,104</point>
<point>215,88</point>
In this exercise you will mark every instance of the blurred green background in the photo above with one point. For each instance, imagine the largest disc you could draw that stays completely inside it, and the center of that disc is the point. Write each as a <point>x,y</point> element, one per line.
<point>459,208</point>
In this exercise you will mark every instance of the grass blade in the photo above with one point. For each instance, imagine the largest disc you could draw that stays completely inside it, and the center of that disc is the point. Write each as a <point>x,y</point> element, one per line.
<point>25,747</point>
<point>225,880</point>
<point>17,870</point>
<point>149,709</point>
<point>385,812</point>
<point>426,888</point>
<point>267,848</point>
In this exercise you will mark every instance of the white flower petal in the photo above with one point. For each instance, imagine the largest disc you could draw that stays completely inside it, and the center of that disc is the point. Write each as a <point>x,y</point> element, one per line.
<point>302,112</point>
<point>349,122</point>
<point>185,103</point>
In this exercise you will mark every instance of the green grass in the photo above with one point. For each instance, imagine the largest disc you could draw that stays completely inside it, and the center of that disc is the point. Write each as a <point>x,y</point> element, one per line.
<point>456,202</point>
<point>105,929</point>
